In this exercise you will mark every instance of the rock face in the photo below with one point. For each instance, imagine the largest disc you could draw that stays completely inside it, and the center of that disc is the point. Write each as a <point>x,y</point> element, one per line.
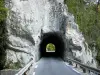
<point>29,19</point>
<point>77,44</point>
<point>26,19</point>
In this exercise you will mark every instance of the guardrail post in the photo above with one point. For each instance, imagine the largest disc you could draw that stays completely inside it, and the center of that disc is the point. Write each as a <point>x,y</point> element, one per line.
<point>25,73</point>
<point>76,66</point>
<point>70,63</point>
<point>84,70</point>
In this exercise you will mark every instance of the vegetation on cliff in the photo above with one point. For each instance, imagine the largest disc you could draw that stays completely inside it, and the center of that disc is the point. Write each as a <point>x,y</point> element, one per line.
<point>87,16</point>
<point>3,15</point>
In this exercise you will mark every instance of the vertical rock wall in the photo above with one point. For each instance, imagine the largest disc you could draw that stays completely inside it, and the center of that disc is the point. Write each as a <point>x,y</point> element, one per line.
<point>29,19</point>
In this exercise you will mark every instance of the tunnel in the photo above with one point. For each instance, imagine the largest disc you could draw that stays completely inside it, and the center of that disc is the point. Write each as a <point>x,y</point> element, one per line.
<point>55,38</point>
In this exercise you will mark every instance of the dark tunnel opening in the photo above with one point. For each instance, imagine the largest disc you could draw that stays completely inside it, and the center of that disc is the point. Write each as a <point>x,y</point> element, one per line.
<point>55,38</point>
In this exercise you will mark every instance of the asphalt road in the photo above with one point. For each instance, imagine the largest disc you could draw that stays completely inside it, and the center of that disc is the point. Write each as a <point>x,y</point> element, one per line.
<point>53,66</point>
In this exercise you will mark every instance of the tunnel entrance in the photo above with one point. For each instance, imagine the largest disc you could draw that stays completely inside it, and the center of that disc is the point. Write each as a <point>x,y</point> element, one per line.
<point>55,38</point>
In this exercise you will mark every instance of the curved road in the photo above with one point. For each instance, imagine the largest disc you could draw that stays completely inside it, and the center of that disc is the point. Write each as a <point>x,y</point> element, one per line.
<point>53,66</point>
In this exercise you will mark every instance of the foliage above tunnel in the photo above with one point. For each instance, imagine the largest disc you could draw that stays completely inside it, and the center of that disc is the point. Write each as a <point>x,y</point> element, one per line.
<point>87,16</point>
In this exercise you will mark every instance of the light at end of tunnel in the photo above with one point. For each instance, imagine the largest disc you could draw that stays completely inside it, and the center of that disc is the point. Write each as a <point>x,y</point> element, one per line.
<point>50,47</point>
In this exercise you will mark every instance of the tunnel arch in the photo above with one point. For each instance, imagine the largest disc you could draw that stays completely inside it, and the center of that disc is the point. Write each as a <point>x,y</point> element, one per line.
<point>57,39</point>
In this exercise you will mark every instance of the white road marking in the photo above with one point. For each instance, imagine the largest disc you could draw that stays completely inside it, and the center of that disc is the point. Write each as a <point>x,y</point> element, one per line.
<point>33,73</point>
<point>36,66</point>
<point>67,64</point>
<point>76,70</point>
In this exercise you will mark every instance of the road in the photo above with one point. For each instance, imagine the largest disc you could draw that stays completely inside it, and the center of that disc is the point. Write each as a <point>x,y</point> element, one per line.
<point>53,66</point>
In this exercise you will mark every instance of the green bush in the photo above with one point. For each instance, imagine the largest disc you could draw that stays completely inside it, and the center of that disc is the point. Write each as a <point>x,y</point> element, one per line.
<point>3,11</point>
<point>3,14</point>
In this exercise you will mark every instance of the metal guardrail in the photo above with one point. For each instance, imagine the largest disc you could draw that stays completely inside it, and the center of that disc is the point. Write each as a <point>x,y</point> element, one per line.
<point>85,68</point>
<point>24,70</point>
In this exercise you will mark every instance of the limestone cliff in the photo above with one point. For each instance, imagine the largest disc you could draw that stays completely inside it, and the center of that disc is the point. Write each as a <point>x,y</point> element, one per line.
<point>28,19</point>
